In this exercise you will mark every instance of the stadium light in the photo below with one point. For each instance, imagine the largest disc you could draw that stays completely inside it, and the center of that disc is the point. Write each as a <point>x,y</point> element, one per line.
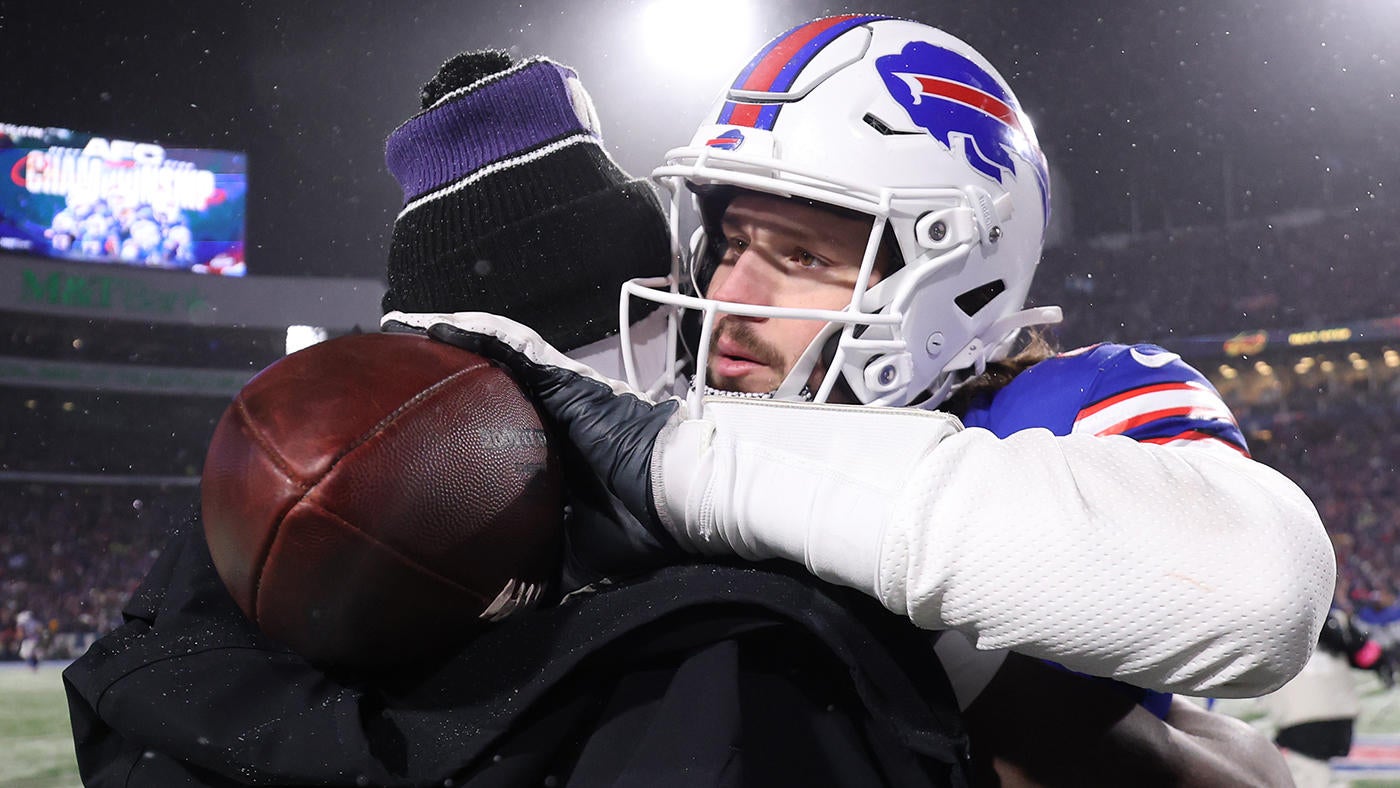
<point>1392,359</point>
<point>1263,368</point>
<point>300,337</point>
<point>693,40</point>
<point>1327,366</point>
<point>1228,372</point>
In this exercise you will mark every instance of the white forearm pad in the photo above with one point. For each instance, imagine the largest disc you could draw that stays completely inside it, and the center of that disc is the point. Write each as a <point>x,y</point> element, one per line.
<point>810,483</point>
<point>1183,569</point>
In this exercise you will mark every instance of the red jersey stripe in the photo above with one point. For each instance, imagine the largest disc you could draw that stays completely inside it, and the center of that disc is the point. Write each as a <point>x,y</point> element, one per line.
<point>1195,435</point>
<point>1130,393</point>
<point>1144,418</point>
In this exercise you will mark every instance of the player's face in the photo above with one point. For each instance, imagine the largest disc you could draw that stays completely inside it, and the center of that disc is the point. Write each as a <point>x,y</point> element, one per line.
<point>782,253</point>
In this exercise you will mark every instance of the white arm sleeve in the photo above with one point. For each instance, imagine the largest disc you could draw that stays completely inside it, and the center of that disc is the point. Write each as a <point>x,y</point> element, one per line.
<point>1182,569</point>
<point>1185,569</point>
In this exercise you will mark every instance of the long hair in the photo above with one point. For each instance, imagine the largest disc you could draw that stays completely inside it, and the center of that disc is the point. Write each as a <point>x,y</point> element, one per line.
<point>1034,346</point>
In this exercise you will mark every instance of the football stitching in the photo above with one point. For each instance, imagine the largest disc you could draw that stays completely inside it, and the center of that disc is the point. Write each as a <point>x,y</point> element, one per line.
<point>266,445</point>
<point>278,461</point>
<point>399,411</point>
<point>398,553</point>
<point>306,487</point>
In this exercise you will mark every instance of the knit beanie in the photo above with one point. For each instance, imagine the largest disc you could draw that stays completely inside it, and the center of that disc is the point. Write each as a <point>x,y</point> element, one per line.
<point>512,205</point>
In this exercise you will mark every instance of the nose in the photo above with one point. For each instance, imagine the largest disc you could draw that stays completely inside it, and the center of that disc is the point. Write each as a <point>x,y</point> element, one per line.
<point>747,280</point>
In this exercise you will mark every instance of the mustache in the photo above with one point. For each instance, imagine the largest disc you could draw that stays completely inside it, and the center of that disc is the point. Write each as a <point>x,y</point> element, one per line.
<point>742,334</point>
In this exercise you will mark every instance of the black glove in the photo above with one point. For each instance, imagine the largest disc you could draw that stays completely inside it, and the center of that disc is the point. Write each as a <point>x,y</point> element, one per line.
<point>607,433</point>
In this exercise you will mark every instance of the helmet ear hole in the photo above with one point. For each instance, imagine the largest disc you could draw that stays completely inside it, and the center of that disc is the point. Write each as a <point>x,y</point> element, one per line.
<point>946,228</point>
<point>972,301</point>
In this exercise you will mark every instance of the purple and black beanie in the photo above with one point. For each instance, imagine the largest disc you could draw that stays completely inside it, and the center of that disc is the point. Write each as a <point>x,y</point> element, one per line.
<point>512,205</point>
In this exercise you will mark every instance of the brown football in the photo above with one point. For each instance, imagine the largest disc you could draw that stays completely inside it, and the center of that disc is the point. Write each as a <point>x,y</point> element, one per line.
<point>374,499</point>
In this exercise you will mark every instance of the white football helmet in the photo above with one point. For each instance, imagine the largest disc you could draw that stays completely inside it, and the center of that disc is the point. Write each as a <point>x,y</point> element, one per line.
<point>910,125</point>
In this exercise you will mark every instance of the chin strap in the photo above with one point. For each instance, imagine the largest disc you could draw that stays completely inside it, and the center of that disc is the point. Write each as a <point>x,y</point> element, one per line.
<point>805,395</point>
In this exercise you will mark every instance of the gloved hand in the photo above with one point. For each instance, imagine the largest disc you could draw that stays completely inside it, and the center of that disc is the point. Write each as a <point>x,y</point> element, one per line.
<point>815,484</point>
<point>611,432</point>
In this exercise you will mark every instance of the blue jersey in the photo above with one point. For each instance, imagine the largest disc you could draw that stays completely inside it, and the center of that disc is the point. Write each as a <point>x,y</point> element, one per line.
<point>1140,391</point>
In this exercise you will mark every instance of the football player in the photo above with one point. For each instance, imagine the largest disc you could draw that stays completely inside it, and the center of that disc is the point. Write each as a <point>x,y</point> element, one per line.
<point>871,204</point>
<point>31,632</point>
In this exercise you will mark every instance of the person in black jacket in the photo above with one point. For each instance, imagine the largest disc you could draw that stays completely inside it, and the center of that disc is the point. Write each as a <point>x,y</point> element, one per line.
<point>1315,713</point>
<point>667,672</point>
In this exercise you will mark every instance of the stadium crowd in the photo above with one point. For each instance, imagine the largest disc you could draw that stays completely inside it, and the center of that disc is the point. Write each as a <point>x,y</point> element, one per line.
<point>1343,452</point>
<point>72,556</point>
<point>1308,269</point>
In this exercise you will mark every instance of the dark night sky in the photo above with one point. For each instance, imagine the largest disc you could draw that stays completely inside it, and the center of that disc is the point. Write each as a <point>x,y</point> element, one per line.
<point>1292,103</point>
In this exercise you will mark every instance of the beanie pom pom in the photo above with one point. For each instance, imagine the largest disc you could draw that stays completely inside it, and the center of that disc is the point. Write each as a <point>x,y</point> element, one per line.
<point>463,70</point>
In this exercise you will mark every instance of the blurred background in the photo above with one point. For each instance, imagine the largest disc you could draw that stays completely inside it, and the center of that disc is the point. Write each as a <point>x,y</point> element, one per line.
<point>1226,183</point>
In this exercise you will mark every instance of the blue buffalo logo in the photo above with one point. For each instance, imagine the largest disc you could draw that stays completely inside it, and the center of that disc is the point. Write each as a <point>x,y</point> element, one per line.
<point>729,140</point>
<point>946,94</point>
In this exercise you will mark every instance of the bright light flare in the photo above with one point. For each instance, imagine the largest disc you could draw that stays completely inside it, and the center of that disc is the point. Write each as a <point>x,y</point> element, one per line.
<point>301,337</point>
<point>699,42</point>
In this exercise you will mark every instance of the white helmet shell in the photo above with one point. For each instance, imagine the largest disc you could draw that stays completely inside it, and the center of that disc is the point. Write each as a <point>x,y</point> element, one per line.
<point>907,124</point>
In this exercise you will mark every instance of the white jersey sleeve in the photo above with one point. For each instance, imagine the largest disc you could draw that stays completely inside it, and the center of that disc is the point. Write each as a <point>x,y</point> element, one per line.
<point>1178,569</point>
<point>1179,566</point>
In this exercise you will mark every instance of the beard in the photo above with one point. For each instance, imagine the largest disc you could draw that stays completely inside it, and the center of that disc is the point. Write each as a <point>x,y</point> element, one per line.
<point>741,333</point>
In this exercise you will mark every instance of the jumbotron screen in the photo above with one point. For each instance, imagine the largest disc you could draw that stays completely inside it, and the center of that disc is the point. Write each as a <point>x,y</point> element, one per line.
<point>79,196</point>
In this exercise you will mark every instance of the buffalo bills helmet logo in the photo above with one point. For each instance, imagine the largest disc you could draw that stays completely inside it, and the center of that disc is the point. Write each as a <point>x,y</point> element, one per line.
<point>729,140</point>
<point>948,95</point>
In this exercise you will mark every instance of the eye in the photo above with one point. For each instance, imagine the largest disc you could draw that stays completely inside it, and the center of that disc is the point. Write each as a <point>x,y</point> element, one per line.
<point>806,259</point>
<point>730,247</point>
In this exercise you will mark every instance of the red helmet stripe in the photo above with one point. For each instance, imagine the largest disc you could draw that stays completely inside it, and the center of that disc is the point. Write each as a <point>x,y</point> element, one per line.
<point>776,66</point>
<point>766,70</point>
